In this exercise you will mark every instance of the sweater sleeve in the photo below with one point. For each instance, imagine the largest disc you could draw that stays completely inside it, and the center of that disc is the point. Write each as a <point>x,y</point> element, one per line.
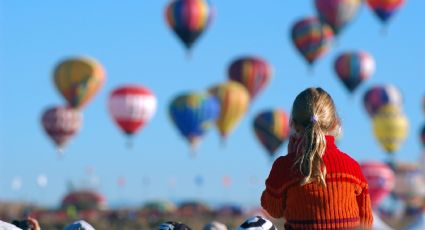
<point>365,206</point>
<point>273,197</point>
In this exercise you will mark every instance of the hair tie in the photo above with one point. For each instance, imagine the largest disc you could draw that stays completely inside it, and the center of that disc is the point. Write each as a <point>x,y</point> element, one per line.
<point>314,119</point>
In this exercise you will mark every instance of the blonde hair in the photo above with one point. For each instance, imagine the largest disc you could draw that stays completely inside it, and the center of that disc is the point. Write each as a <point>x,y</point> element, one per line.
<point>315,114</point>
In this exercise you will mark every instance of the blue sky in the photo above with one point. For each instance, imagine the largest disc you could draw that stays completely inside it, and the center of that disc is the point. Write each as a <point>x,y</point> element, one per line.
<point>132,41</point>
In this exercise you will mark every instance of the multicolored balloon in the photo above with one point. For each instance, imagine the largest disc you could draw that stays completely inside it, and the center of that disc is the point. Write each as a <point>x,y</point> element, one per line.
<point>423,136</point>
<point>409,183</point>
<point>312,38</point>
<point>384,9</point>
<point>380,178</point>
<point>131,107</point>
<point>353,68</point>
<point>61,124</point>
<point>390,126</point>
<point>234,101</point>
<point>272,129</point>
<point>78,79</point>
<point>188,19</point>
<point>252,72</point>
<point>379,96</point>
<point>337,13</point>
<point>193,114</point>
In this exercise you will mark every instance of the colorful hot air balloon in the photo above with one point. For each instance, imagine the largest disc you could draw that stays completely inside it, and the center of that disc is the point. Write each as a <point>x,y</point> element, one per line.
<point>234,101</point>
<point>337,13</point>
<point>188,19</point>
<point>311,38</point>
<point>381,95</point>
<point>193,114</point>
<point>409,183</point>
<point>131,107</point>
<point>272,129</point>
<point>384,9</point>
<point>423,136</point>
<point>78,79</point>
<point>252,72</point>
<point>353,68</point>
<point>61,124</point>
<point>390,127</point>
<point>380,178</point>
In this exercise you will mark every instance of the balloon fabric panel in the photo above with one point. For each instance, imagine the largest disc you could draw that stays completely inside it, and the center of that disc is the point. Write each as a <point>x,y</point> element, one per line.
<point>380,95</point>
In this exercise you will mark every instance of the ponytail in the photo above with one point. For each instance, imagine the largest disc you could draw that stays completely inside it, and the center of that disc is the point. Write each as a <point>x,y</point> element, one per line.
<point>310,162</point>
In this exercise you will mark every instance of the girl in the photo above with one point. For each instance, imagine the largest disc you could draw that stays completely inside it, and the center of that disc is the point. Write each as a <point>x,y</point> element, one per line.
<point>316,186</point>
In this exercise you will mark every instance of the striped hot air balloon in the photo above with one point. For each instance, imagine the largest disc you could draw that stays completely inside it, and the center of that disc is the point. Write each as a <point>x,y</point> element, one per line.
<point>252,72</point>
<point>311,38</point>
<point>381,95</point>
<point>353,68</point>
<point>188,19</point>
<point>131,107</point>
<point>384,9</point>
<point>78,79</point>
<point>193,114</point>
<point>234,101</point>
<point>272,129</point>
<point>390,126</point>
<point>337,13</point>
<point>423,135</point>
<point>380,178</point>
<point>61,124</point>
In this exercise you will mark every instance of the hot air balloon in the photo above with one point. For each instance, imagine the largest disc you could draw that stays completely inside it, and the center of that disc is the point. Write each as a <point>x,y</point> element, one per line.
<point>78,79</point>
<point>234,101</point>
<point>252,72</point>
<point>423,135</point>
<point>381,95</point>
<point>61,124</point>
<point>193,114</point>
<point>384,9</point>
<point>337,13</point>
<point>272,129</point>
<point>409,183</point>
<point>380,178</point>
<point>311,38</point>
<point>131,107</point>
<point>390,127</point>
<point>353,68</point>
<point>188,19</point>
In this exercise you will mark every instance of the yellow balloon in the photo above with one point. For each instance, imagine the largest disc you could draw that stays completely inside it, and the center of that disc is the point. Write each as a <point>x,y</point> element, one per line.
<point>234,101</point>
<point>390,126</point>
<point>78,79</point>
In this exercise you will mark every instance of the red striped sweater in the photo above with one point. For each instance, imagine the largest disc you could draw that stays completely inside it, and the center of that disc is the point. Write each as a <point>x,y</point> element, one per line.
<point>343,204</point>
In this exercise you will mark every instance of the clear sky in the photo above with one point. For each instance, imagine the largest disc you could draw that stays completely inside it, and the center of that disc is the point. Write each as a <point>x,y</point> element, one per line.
<point>133,43</point>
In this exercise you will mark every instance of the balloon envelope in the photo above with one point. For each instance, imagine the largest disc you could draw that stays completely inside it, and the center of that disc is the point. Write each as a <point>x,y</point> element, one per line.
<point>78,79</point>
<point>61,124</point>
<point>311,38</point>
<point>193,114</point>
<point>234,101</point>
<point>131,107</point>
<point>337,13</point>
<point>252,72</point>
<point>409,182</point>
<point>272,129</point>
<point>379,96</point>
<point>188,19</point>
<point>384,9</point>
<point>353,68</point>
<point>380,178</point>
<point>390,127</point>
